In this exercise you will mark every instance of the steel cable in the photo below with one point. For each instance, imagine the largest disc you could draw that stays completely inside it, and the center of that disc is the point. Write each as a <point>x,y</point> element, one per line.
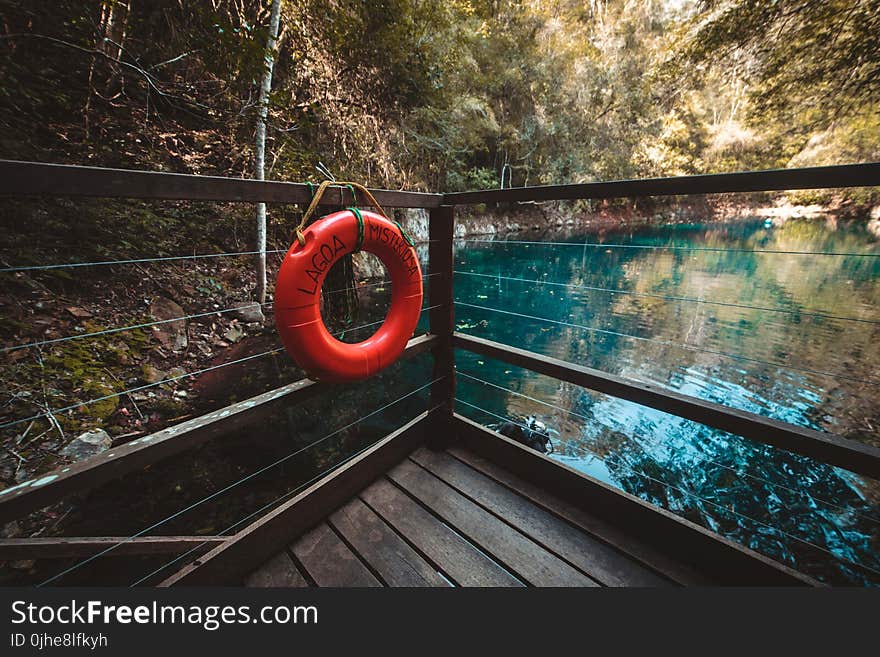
<point>673,247</point>
<point>700,456</point>
<point>806,312</point>
<point>276,501</point>
<point>675,344</point>
<point>177,319</point>
<point>53,411</point>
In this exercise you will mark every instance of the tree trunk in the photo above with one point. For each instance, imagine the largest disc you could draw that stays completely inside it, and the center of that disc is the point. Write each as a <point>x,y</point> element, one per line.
<point>260,146</point>
<point>108,9</point>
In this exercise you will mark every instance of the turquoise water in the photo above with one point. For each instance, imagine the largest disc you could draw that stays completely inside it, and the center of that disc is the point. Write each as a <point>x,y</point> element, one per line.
<point>730,313</point>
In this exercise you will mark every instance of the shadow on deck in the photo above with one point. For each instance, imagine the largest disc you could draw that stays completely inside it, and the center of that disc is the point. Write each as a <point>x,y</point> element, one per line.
<point>480,511</point>
<point>452,518</point>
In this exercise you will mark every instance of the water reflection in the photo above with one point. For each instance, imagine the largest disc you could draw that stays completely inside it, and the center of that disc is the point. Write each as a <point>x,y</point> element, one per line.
<point>786,335</point>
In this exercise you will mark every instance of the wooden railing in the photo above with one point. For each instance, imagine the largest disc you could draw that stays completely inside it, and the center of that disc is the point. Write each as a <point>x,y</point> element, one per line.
<point>840,176</point>
<point>39,179</point>
<point>824,446</point>
<point>28,179</point>
<point>36,179</point>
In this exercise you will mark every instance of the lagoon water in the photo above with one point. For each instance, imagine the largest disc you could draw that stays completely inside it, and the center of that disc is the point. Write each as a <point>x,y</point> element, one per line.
<point>741,314</point>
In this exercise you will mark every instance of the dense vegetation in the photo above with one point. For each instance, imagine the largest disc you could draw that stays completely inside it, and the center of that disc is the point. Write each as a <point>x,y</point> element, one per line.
<point>441,94</point>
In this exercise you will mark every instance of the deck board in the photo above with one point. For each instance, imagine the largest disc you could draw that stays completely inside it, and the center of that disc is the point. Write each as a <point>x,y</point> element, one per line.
<point>674,569</point>
<point>396,562</point>
<point>441,518</point>
<point>279,571</point>
<point>591,556</point>
<point>459,559</point>
<point>517,552</point>
<point>329,561</point>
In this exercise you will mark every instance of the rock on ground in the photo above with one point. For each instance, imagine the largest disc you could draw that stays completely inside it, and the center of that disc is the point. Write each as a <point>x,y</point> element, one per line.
<point>874,223</point>
<point>87,444</point>
<point>248,311</point>
<point>234,333</point>
<point>152,374</point>
<point>172,335</point>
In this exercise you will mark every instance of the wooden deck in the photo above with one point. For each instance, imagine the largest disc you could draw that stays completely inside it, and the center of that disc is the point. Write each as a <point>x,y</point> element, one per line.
<point>451,518</point>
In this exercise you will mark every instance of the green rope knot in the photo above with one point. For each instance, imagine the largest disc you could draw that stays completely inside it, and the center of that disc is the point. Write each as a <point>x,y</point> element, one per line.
<point>404,234</point>
<point>354,198</point>
<point>360,238</point>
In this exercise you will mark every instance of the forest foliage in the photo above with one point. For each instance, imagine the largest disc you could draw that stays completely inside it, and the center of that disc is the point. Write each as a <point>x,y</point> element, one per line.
<point>442,94</point>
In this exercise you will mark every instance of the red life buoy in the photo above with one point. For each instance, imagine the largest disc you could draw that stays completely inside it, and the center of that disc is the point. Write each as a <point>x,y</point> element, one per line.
<point>298,297</point>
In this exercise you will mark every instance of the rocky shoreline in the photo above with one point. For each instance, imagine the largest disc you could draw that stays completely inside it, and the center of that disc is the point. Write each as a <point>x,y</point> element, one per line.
<point>537,217</point>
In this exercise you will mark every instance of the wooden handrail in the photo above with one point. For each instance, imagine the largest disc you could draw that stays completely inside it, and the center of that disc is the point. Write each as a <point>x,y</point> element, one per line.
<point>826,447</point>
<point>42,179</point>
<point>845,175</point>
<point>64,547</point>
<point>19,178</point>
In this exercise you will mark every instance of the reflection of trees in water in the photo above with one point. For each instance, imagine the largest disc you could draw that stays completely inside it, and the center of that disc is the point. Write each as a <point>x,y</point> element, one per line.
<point>749,492</point>
<point>776,502</point>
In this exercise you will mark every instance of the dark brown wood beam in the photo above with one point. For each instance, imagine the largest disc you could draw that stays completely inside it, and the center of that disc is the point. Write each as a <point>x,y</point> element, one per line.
<point>62,547</point>
<point>826,447</point>
<point>230,562</point>
<point>43,179</point>
<point>18,178</point>
<point>847,175</point>
<point>440,294</point>
<point>49,488</point>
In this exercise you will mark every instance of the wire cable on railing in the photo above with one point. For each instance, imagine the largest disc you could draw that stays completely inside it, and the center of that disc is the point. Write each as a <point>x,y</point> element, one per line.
<point>53,411</point>
<point>673,247</point>
<point>700,456</point>
<point>805,312</point>
<point>132,261</point>
<point>377,284</point>
<point>174,319</point>
<point>689,493</point>
<point>265,507</point>
<point>99,263</point>
<point>676,345</point>
<point>358,328</point>
<point>229,487</point>
<point>132,327</point>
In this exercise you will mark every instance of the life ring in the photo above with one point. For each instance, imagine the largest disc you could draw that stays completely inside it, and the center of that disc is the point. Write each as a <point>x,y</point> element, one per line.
<point>298,296</point>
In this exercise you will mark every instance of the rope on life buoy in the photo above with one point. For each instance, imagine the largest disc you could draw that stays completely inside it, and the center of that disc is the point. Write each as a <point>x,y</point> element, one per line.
<point>316,200</point>
<point>315,250</point>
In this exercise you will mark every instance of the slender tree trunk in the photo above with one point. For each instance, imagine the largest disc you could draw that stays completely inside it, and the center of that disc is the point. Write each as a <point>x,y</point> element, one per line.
<point>260,146</point>
<point>99,45</point>
<point>109,40</point>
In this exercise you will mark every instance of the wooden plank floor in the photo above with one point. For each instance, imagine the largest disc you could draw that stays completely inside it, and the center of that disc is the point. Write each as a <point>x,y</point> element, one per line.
<point>453,519</point>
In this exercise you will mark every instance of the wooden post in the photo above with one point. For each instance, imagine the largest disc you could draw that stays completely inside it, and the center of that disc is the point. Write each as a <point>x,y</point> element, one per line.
<point>440,263</point>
